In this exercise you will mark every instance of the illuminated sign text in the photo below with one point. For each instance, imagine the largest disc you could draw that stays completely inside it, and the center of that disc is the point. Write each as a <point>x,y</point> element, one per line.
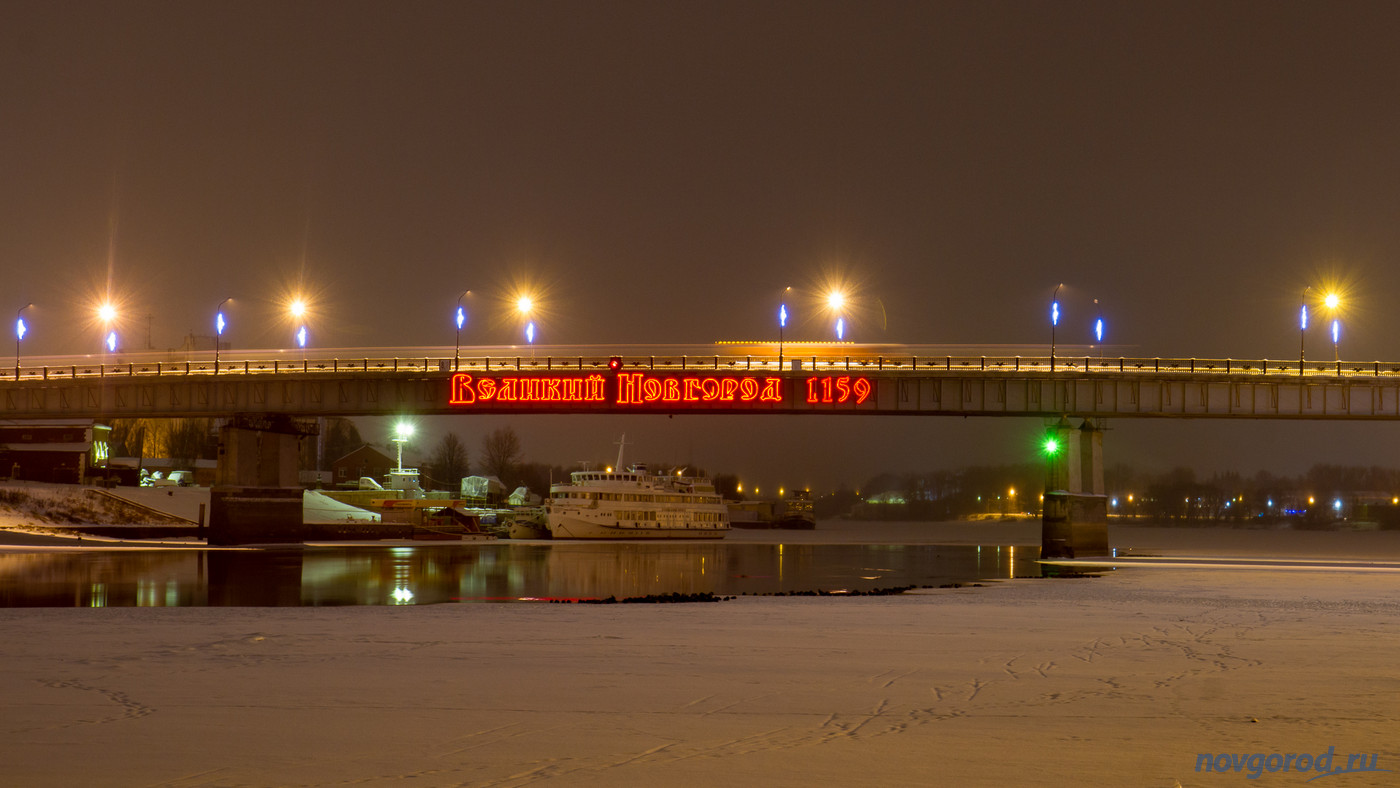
<point>526,388</point>
<point>639,388</point>
<point>837,390</point>
<point>642,390</point>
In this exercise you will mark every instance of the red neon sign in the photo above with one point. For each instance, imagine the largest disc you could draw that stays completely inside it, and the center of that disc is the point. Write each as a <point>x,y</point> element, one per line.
<point>837,390</point>
<point>526,388</point>
<point>640,390</point>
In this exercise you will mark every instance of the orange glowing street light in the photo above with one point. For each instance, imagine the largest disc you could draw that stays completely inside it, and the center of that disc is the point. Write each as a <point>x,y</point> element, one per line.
<point>298,309</point>
<point>836,302</point>
<point>107,313</point>
<point>525,305</point>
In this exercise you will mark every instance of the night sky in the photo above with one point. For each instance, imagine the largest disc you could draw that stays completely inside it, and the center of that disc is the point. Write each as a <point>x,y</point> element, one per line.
<point>659,172</point>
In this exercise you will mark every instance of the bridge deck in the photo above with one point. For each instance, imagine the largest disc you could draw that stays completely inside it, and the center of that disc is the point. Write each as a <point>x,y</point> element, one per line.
<point>929,385</point>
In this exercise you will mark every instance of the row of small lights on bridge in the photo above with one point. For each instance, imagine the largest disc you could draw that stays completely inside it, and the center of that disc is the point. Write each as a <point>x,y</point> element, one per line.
<point>525,306</point>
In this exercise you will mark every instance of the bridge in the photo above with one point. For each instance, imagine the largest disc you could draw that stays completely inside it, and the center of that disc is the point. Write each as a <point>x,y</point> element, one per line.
<point>836,381</point>
<point>264,393</point>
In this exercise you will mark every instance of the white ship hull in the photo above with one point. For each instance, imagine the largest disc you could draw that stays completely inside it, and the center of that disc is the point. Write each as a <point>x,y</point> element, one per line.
<point>598,525</point>
<point>636,504</point>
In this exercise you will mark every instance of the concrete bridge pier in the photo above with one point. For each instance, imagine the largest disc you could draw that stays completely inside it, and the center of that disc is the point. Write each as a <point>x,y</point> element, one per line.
<point>256,496</point>
<point>1074,519</point>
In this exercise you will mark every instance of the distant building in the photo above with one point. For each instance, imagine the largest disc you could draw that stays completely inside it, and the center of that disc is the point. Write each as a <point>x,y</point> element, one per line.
<point>364,461</point>
<point>67,451</point>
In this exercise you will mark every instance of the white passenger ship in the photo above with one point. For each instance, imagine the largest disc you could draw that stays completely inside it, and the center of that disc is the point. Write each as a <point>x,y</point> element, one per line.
<point>636,504</point>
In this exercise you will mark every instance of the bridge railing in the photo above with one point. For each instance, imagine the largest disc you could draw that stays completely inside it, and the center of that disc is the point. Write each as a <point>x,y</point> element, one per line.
<point>790,364</point>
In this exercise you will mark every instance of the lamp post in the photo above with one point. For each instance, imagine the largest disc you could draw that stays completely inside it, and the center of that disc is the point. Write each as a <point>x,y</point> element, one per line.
<point>782,323</point>
<point>1302,329</point>
<point>1333,301</point>
<point>298,311</point>
<point>402,432</point>
<point>836,300</point>
<point>461,320</point>
<point>21,328</point>
<point>1054,321</point>
<point>1098,327</point>
<point>524,305</point>
<point>108,314</point>
<point>219,324</point>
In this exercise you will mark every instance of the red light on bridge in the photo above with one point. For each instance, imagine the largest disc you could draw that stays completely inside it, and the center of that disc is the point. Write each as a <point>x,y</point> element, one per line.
<point>615,364</point>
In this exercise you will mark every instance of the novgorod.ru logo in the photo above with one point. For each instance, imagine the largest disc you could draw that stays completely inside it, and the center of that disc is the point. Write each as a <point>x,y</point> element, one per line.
<point>1252,765</point>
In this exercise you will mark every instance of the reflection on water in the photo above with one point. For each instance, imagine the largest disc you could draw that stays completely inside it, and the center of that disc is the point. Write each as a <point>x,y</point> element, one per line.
<point>500,571</point>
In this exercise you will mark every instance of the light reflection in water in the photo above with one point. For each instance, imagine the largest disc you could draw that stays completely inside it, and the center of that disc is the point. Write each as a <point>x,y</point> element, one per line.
<point>496,571</point>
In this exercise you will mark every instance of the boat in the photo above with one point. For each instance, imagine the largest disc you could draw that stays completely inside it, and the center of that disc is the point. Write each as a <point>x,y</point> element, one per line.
<point>794,512</point>
<point>635,503</point>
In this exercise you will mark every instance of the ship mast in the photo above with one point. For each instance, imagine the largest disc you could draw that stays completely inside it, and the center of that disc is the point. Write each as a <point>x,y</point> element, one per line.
<point>620,444</point>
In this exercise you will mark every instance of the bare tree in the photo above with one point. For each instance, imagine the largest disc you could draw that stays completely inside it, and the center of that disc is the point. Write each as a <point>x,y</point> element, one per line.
<point>450,462</point>
<point>500,453</point>
<point>190,440</point>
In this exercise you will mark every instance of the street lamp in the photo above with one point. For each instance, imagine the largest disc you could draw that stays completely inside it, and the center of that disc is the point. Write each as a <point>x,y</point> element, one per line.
<point>1302,329</point>
<point>836,300</point>
<point>1333,301</point>
<point>1098,327</point>
<point>461,320</point>
<point>524,305</point>
<point>298,310</point>
<point>219,325</point>
<point>1054,321</point>
<point>108,313</point>
<point>402,432</point>
<point>21,328</point>
<point>782,322</point>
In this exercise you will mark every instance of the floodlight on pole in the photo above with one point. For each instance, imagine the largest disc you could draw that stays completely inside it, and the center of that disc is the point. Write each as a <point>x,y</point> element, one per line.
<point>402,432</point>
<point>1054,321</point>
